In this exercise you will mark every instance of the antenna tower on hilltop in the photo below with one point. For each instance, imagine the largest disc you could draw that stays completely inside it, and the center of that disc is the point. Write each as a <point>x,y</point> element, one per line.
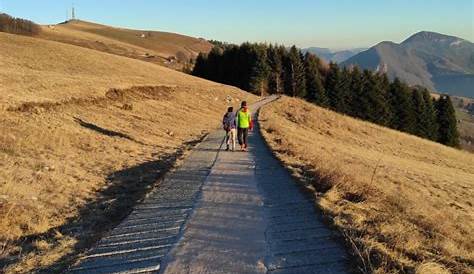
<point>73,13</point>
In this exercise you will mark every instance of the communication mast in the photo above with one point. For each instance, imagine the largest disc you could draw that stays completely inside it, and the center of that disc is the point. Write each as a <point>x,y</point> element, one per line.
<point>73,13</point>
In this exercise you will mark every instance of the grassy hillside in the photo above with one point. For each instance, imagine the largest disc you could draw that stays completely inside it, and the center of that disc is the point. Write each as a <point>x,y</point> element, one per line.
<point>466,129</point>
<point>465,122</point>
<point>405,203</point>
<point>152,46</point>
<point>85,134</point>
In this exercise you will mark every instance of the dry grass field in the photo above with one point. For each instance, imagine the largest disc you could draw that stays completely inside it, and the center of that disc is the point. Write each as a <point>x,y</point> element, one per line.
<point>465,122</point>
<point>151,46</point>
<point>466,129</point>
<point>404,203</point>
<point>84,135</point>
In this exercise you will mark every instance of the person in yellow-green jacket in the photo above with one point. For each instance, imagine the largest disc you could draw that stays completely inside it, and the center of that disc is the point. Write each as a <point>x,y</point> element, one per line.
<point>244,124</point>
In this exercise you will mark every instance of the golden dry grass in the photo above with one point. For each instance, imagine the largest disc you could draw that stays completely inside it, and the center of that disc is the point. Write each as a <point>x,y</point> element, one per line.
<point>404,203</point>
<point>155,47</point>
<point>80,145</point>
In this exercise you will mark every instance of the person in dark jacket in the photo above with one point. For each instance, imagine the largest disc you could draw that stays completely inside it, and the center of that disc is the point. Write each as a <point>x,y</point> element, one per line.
<point>229,125</point>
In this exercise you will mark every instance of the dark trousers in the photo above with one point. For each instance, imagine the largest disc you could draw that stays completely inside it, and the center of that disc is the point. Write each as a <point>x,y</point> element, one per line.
<point>243,135</point>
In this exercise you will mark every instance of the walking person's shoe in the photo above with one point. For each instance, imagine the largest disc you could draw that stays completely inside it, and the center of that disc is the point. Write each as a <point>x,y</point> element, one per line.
<point>227,148</point>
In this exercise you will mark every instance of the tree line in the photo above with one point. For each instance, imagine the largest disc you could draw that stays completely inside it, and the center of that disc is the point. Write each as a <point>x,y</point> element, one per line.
<point>17,25</point>
<point>270,69</point>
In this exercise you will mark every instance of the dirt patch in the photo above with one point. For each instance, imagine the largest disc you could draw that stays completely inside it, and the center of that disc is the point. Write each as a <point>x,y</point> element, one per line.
<point>126,96</point>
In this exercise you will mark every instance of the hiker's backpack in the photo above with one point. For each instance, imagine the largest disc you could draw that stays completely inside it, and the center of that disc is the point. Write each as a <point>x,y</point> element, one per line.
<point>228,120</point>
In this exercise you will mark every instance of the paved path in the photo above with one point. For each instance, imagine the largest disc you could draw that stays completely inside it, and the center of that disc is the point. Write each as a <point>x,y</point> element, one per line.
<point>222,212</point>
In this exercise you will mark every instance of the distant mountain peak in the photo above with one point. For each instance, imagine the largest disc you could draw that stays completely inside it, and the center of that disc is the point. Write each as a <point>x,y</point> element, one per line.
<point>429,36</point>
<point>386,43</point>
<point>437,61</point>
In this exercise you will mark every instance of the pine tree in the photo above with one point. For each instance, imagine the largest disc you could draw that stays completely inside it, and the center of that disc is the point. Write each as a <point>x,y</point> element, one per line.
<point>259,70</point>
<point>429,119</point>
<point>245,66</point>
<point>275,81</point>
<point>401,105</point>
<point>379,111</point>
<point>200,67</point>
<point>359,104</point>
<point>420,110</point>
<point>448,132</point>
<point>314,86</point>
<point>231,63</point>
<point>337,88</point>
<point>294,74</point>
<point>345,94</point>
<point>333,78</point>
<point>384,84</point>
<point>214,60</point>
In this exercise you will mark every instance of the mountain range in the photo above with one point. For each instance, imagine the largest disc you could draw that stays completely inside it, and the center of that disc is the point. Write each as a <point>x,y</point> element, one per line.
<point>439,62</point>
<point>329,55</point>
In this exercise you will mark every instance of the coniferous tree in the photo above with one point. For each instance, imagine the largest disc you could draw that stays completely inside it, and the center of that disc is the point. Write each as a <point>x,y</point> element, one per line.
<point>420,109</point>
<point>402,106</point>
<point>337,88</point>
<point>231,63</point>
<point>359,104</point>
<point>333,79</point>
<point>314,86</point>
<point>378,111</point>
<point>429,119</point>
<point>448,132</point>
<point>275,81</point>
<point>384,84</point>
<point>343,87</point>
<point>294,74</point>
<point>214,67</point>
<point>370,92</point>
<point>259,70</point>
<point>200,67</point>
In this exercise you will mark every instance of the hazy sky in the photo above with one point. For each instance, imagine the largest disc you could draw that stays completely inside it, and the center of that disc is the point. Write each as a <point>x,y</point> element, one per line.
<point>323,23</point>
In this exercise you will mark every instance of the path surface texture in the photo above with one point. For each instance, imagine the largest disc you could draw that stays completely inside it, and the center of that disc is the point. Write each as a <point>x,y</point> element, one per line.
<point>222,212</point>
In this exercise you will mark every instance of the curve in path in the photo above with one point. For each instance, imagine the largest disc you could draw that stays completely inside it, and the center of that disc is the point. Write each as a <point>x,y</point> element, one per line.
<point>222,212</point>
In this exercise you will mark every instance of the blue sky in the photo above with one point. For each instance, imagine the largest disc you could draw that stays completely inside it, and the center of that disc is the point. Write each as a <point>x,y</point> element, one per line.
<point>325,23</point>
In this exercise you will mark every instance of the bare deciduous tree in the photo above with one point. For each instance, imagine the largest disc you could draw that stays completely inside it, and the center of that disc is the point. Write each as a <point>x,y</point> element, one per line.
<point>17,25</point>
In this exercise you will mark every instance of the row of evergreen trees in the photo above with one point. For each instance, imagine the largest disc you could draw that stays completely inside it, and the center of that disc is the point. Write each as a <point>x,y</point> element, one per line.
<point>268,69</point>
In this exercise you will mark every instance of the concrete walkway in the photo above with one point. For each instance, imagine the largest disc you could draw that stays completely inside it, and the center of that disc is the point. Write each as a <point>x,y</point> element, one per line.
<point>222,212</point>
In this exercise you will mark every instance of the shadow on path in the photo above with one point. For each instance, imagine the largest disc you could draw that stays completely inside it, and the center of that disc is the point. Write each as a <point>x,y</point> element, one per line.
<point>124,190</point>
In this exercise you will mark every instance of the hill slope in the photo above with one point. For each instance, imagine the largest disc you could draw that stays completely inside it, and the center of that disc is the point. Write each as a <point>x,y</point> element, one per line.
<point>405,202</point>
<point>439,62</point>
<point>85,135</point>
<point>152,46</point>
